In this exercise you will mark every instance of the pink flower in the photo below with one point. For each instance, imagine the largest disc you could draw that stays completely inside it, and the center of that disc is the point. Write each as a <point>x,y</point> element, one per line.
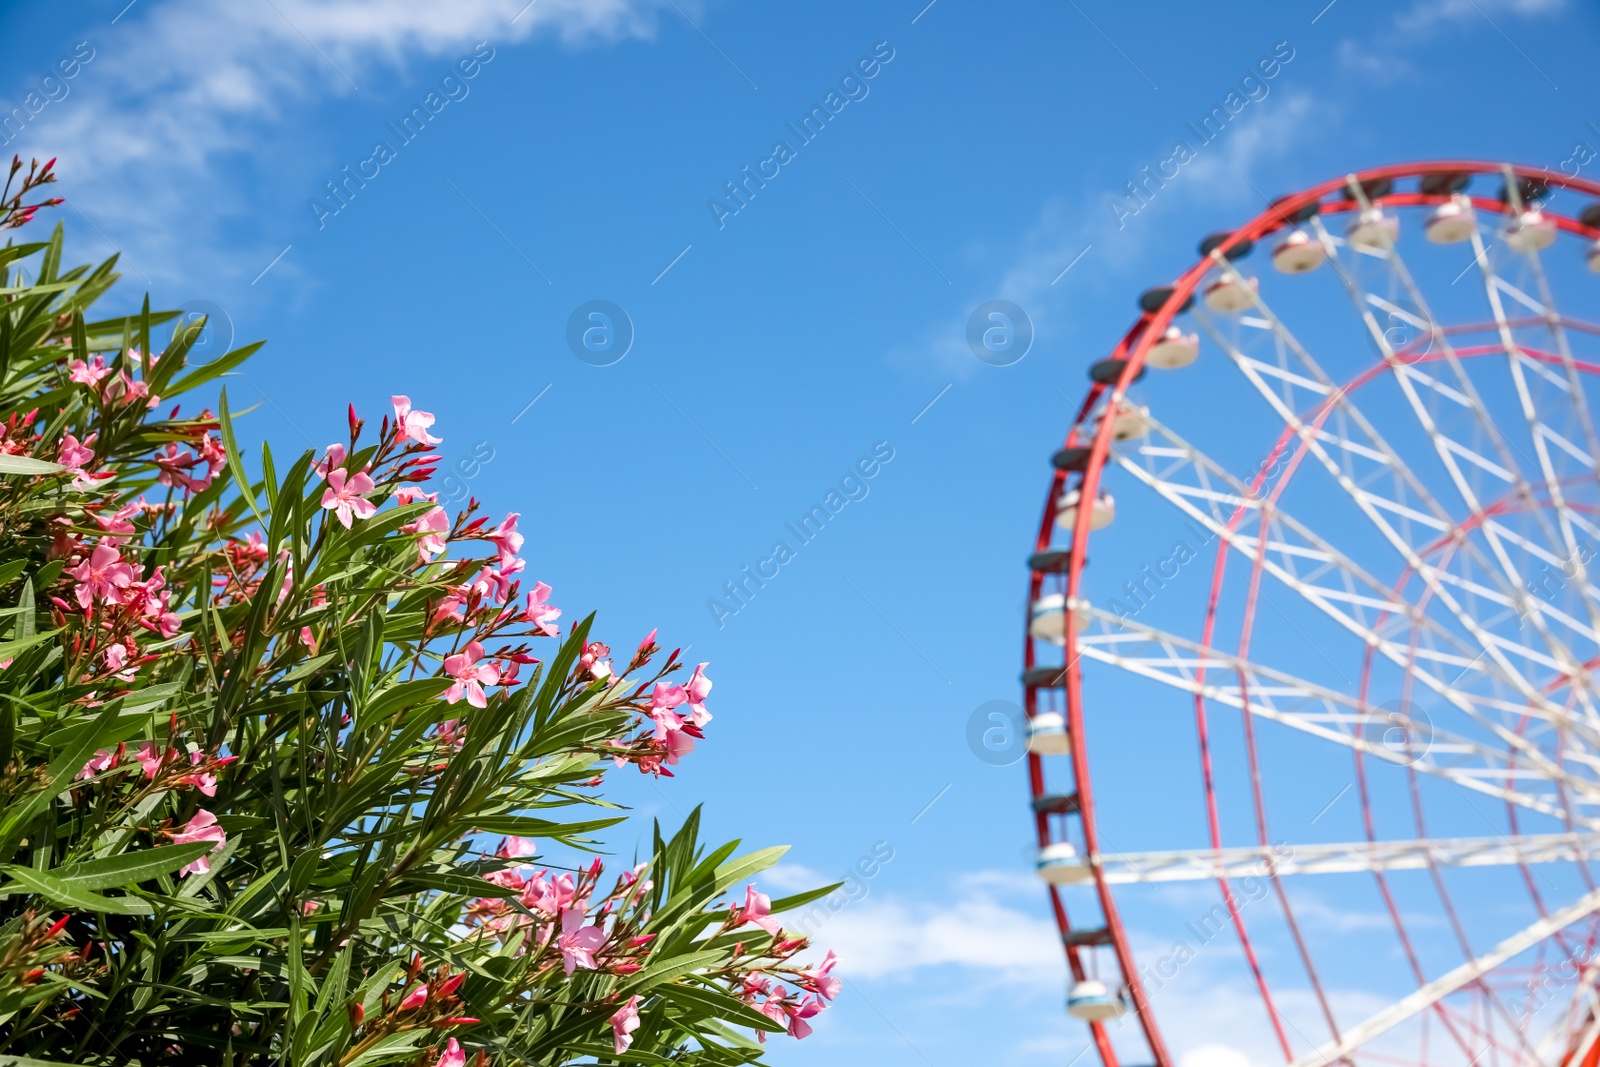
<point>822,979</point>
<point>416,998</point>
<point>757,909</point>
<point>517,847</point>
<point>347,495</point>
<point>116,658</point>
<point>104,759</point>
<point>662,701</point>
<point>540,613</point>
<point>150,758</point>
<point>176,465</point>
<point>453,1056</point>
<point>451,733</point>
<point>591,661</point>
<point>412,425</point>
<point>624,1022</point>
<point>331,460</point>
<point>88,373</point>
<point>204,781</point>
<point>117,522</point>
<point>470,678</point>
<point>698,689</point>
<point>500,580</point>
<point>799,1013</point>
<point>72,453</point>
<point>102,577</point>
<point>578,942</point>
<point>679,744</point>
<point>775,1009</point>
<point>506,539</point>
<point>203,827</point>
<point>148,600</point>
<point>434,525</point>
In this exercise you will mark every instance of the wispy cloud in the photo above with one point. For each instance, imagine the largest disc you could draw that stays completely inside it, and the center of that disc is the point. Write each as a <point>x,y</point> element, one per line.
<point>892,936</point>
<point>1429,15</point>
<point>1221,173</point>
<point>179,88</point>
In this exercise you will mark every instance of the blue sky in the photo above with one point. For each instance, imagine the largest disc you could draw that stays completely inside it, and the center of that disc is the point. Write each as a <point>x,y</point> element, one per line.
<point>773,348</point>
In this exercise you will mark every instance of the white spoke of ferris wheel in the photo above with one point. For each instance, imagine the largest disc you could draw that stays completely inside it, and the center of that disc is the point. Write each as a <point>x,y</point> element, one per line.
<point>1211,481</point>
<point>1574,384</point>
<point>1373,505</point>
<point>1465,396</point>
<point>1335,716</point>
<point>1125,868</point>
<point>1467,974</point>
<point>1541,434</point>
<point>1449,451</point>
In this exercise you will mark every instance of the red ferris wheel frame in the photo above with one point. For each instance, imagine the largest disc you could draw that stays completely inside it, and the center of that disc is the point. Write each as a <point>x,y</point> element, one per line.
<point>1084,477</point>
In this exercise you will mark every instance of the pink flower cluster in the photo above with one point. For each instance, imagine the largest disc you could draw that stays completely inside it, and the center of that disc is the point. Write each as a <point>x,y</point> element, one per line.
<point>120,388</point>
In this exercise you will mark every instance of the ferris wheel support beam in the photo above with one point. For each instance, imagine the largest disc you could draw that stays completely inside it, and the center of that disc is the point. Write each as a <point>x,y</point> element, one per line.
<point>1127,868</point>
<point>1337,716</point>
<point>1315,550</point>
<point>1436,990</point>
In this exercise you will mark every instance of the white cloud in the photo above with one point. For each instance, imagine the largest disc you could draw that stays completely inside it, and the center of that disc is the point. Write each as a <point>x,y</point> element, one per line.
<point>1428,15</point>
<point>1214,1056</point>
<point>1221,172</point>
<point>889,936</point>
<point>1378,60</point>
<point>175,88</point>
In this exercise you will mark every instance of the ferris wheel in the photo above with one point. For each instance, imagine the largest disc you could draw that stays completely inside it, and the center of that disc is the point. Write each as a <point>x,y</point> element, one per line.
<point>1336,662</point>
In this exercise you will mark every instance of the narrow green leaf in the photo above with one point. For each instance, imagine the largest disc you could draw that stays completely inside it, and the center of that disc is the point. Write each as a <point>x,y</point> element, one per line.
<point>236,461</point>
<point>61,894</point>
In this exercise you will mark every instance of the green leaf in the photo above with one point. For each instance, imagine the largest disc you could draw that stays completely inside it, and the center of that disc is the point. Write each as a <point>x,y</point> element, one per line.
<point>216,368</point>
<point>57,778</point>
<point>800,900</point>
<point>64,895</point>
<point>236,460</point>
<point>28,465</point>
<point>713,1002</point>
<point>129,868</point>
<point>747,865</point>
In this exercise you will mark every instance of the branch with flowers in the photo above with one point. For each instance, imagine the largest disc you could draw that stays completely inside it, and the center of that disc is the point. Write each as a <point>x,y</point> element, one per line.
<point>296,769</point>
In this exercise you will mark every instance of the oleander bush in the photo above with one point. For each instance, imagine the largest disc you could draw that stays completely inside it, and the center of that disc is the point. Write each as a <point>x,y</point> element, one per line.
<point>293,766</point>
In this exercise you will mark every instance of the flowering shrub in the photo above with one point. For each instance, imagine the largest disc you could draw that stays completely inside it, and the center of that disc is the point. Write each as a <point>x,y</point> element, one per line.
<point>280,759</point>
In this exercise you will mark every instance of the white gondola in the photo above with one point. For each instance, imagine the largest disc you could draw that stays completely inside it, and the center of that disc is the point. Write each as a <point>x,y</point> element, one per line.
<point>1594,257</point>
<point>1100,516</point>
<point>1451,222</point>
<point>1128,422</point>
<point>1531,231</point>
<point>1047,734</point>
<point>1093,1002</point>
<point>1298,253</point>
<point>1374,230</point>
<point>1048,618</point>
<point>1059,864</point>
<point>1175,349</point>
<point>1231,295</point>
